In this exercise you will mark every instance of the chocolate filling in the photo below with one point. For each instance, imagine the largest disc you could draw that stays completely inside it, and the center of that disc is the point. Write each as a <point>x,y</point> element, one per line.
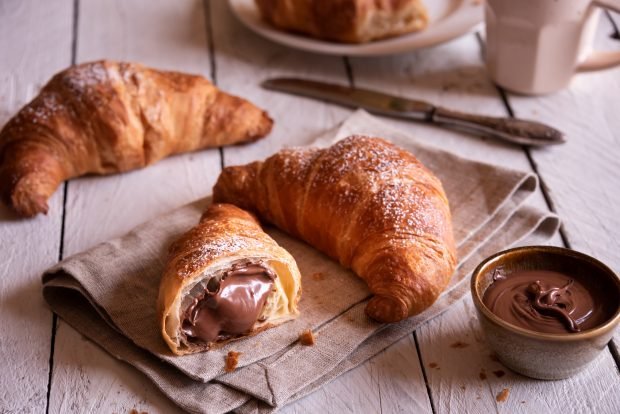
<point>229,304</point>
<point>549,302</point>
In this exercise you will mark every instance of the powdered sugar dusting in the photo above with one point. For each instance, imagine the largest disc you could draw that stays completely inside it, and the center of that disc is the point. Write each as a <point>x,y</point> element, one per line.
<point>386,189</point>
<point>358,166</point>
<point>80,78</point>
<point>297,161</point>
<point>210,240</point>
<point>75,83</point>
<point>43,109</point>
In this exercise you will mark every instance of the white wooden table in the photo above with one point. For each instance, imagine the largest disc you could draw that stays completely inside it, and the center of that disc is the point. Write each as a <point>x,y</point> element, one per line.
<point>45,366</point>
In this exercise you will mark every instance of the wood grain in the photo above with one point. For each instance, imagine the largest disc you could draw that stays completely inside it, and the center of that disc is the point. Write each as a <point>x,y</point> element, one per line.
<point>395,372</point>
<point>168,35</point>
<point>35,41</point>
<point>243,60</point>
<point>464,377</point>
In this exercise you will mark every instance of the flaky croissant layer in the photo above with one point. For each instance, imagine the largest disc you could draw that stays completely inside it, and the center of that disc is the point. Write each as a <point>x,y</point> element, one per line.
<point>107,117</point>
<point>365,202</point>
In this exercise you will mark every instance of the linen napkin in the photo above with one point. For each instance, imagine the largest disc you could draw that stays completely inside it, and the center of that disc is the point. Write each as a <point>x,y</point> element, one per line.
<point>108,293</point>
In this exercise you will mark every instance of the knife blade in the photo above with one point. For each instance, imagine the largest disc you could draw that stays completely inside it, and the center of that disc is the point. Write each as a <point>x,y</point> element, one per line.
<point>514,130</point>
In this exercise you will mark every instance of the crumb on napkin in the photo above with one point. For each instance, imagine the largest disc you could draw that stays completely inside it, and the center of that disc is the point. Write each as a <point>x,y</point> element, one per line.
<point>306,337</point>
<point>502,395</point>
<point>232,359</point>
<point>318,276</point>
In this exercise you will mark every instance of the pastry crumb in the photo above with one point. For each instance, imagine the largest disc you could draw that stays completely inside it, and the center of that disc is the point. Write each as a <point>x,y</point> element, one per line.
<point>232,359</point>
<point>306,337</point>
<point>503,395</point>
<point>318,276</point>
<point>499,373</point>
<point>482,375</point>
<point>433,365</point>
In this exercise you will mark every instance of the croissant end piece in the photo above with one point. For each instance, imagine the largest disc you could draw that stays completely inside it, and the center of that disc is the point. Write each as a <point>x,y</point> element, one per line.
<point>365,202</point>
<point>107,117</point>
<point>225,279</point>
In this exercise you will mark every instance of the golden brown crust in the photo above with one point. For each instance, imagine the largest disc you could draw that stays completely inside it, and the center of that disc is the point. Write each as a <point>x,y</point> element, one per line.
<point>347,21</point>
<point>224,236</point>
<point>365,202</point>
<point>107,117</point>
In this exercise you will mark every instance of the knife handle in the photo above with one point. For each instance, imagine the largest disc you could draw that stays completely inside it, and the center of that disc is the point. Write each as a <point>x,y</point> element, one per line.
<point>508,129</point>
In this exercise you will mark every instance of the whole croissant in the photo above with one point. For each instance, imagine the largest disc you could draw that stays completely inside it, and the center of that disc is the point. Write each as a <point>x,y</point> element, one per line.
<point>107,117</point>
<point>347,21</point>
<point>365,202</point>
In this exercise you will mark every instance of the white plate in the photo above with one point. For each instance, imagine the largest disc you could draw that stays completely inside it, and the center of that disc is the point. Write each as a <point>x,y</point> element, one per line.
<point>448,19</point>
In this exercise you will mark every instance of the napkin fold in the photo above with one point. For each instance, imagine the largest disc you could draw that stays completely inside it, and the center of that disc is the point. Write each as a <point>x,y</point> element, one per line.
<point>109,292</point>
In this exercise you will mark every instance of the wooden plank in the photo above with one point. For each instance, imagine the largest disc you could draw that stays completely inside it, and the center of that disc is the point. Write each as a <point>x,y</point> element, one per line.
<point>584,174</point>
<point>243,60</point>
<point>395,372</point>
<point>464,376</point>
<point>35,40</point>
<point>167,35</point>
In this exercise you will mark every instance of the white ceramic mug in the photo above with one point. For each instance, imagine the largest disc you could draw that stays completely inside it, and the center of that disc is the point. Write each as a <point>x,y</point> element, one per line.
<point>536,46</point>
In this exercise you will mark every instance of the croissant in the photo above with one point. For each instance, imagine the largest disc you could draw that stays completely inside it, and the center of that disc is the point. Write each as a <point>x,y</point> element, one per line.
<point>225,279</point>
<point>107,117</point>
<point>346,21</point>
<point>364,202</point>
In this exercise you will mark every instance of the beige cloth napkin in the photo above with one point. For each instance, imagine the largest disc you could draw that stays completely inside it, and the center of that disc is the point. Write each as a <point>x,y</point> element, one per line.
<point>109,292</point>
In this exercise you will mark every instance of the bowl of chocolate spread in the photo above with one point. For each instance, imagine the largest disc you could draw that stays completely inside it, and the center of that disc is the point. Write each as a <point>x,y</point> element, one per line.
<point>547,311</point>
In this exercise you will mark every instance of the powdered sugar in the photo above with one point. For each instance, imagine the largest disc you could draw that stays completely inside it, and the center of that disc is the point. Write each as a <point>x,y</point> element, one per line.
<point>81,77</point>
<point>385,187</point>
<point>43,109</point>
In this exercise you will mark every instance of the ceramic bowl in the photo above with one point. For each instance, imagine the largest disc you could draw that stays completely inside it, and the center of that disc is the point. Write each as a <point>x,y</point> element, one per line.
<point>535,354</point>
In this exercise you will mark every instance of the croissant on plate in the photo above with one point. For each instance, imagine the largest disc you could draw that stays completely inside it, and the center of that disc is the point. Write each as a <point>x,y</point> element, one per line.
<point>366,203</point>
<point>107,117</point>
<point>225,279</point>
<point>346,21</point>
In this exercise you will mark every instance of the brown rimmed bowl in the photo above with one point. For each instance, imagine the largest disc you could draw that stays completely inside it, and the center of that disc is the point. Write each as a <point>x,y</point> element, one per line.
<point>535,354</point>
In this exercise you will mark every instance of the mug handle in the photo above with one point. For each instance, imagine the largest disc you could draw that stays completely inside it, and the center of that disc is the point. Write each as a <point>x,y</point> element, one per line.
<point>602,60</point>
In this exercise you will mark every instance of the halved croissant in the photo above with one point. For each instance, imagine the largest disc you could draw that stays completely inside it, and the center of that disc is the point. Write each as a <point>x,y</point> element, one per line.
<point>225,279</point>
<point>107,117</point>
<point>365,202</point>
<point>347,21</point>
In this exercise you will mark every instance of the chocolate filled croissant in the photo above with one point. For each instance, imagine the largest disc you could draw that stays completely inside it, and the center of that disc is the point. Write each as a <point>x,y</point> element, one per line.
<point>347,21</point>
<point>108,117</point>
<point>365,202</point>
<point>225,279</point>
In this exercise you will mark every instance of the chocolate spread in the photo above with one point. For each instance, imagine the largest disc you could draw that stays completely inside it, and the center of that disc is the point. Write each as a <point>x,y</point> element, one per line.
<point>230,304</point>
<point>547,301</point>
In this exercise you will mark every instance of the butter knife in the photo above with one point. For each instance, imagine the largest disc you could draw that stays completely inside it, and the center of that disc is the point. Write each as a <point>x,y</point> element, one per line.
<point>516,131</point>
